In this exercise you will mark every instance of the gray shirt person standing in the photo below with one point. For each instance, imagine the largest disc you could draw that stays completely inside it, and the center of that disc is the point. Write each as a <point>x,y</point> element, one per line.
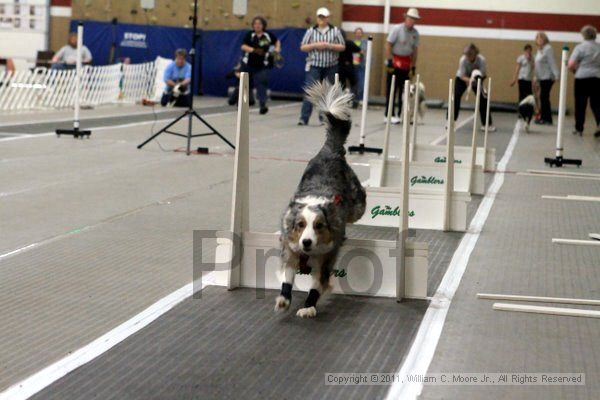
<point>405,41</point>
<point>545,64</point>
<point>587,56</point>
<point>585,62</point>
<point>526,68</point>
<point>546,72</point>
<point>401,50</point>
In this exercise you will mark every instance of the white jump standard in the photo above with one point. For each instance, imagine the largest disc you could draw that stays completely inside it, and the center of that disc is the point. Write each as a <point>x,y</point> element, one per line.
<point>558,160</point>
<point>363,266</point>
<point>485,156</point>
<point>361,149</point>
<point>76,132</point>
<point>431,205</point>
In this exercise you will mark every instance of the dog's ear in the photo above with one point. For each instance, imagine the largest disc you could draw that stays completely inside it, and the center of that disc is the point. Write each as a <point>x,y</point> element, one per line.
<point>333,219</point>
<point>289,217</point>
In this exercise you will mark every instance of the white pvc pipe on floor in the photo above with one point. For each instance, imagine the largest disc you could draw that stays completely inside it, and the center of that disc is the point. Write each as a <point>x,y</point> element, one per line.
<point>363,117</point>
<point>541,299</point>
<point>576,242</point>
<point>562,102</point>
<point>570,312</point>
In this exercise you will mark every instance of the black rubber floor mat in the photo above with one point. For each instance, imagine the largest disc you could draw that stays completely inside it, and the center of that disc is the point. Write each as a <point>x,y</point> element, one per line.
<point>229,344</point>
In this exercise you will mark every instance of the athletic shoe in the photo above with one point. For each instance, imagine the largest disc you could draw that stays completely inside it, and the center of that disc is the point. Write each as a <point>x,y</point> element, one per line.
<point>491,128</point>
<point>263,110</point>
<point>576,132</point>
<point>301,122</point>
<point>396,120</point>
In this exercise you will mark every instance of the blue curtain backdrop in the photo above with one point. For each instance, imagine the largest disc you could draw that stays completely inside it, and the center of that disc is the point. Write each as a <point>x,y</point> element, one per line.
<point>218,51</point>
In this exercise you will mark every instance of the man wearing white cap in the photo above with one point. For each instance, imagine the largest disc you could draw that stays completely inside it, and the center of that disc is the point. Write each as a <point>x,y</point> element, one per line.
<point>401,58</point>
<point>323,43</point>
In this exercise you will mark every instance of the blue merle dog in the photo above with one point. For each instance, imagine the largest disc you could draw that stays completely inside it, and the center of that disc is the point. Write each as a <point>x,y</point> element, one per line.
<point>328,197</point>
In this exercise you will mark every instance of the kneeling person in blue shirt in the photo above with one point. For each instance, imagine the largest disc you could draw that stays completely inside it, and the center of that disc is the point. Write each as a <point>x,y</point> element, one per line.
<point>177,77</point>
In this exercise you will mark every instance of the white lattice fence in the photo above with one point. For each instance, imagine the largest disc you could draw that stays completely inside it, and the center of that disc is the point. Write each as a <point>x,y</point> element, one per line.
<point>48,88</point>
<point>138,81</point>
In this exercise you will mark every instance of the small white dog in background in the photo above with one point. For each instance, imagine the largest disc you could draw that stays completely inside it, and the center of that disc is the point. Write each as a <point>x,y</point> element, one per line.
<point>412,92</point>
<point>420,93</point>
<point>176,94</point>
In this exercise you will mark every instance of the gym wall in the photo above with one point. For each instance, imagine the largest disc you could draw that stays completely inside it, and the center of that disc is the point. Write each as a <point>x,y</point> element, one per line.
<point>212,14</point>
<point>500,28</point>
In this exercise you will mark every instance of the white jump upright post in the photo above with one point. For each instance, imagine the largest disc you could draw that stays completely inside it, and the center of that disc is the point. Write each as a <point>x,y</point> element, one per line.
<point>449,188</point>
<point>76,132</point>
<point>415,120</point>
<point>240,198</point>
<point>558,160</point>
<point>361,149</point>
<point>487,122</point>
<point>403,234</point>
<point>386,135</point>
<point>474,139</point>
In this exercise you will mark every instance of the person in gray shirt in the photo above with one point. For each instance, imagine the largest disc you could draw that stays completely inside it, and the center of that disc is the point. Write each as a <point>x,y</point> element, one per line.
<point>401,50</point>
<point>66,57</point>
<point>585,62</point>
<point>471,61</point>
<point>524,72</point>
<point>546,72</point>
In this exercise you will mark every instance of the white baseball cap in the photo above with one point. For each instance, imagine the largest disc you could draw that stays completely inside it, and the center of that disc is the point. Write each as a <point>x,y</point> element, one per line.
<point>323,11</point>
<point>413,13</point>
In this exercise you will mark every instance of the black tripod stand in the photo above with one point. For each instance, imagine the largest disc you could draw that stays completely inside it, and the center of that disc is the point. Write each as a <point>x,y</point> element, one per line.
<point>190,113</point>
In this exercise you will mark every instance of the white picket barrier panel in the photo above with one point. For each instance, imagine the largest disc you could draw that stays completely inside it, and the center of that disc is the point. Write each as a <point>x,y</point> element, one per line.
<point>49,88</point>
<point>252,259</point>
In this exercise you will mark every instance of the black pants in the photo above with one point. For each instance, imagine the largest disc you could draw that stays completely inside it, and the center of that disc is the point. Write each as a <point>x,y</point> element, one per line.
<point>545,107</point>
<point>401,76</point>
<point>460,87</point>
<point>524,89</point>
<point>586,88</point>
<point>347,76</point>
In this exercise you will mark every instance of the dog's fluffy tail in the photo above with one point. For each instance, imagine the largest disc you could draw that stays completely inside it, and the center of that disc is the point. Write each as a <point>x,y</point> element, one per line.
<point>336,105</point>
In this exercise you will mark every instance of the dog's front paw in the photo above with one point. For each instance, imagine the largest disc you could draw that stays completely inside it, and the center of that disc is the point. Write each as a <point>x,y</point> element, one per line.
<point>281,303</point>
<point>307,312</point>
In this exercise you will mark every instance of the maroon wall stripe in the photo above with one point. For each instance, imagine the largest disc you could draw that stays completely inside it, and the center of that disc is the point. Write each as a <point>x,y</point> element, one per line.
<point>63,3</point>
<point>474,19</point>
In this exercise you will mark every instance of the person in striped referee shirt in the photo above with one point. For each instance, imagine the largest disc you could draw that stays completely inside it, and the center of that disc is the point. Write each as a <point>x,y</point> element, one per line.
<point>323,43</point>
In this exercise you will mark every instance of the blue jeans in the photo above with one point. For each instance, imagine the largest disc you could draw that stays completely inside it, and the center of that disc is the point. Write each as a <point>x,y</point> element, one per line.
<point>62,66</point>
<point>259,79</point>
<point>312,75</point>
<point>359,70</point>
